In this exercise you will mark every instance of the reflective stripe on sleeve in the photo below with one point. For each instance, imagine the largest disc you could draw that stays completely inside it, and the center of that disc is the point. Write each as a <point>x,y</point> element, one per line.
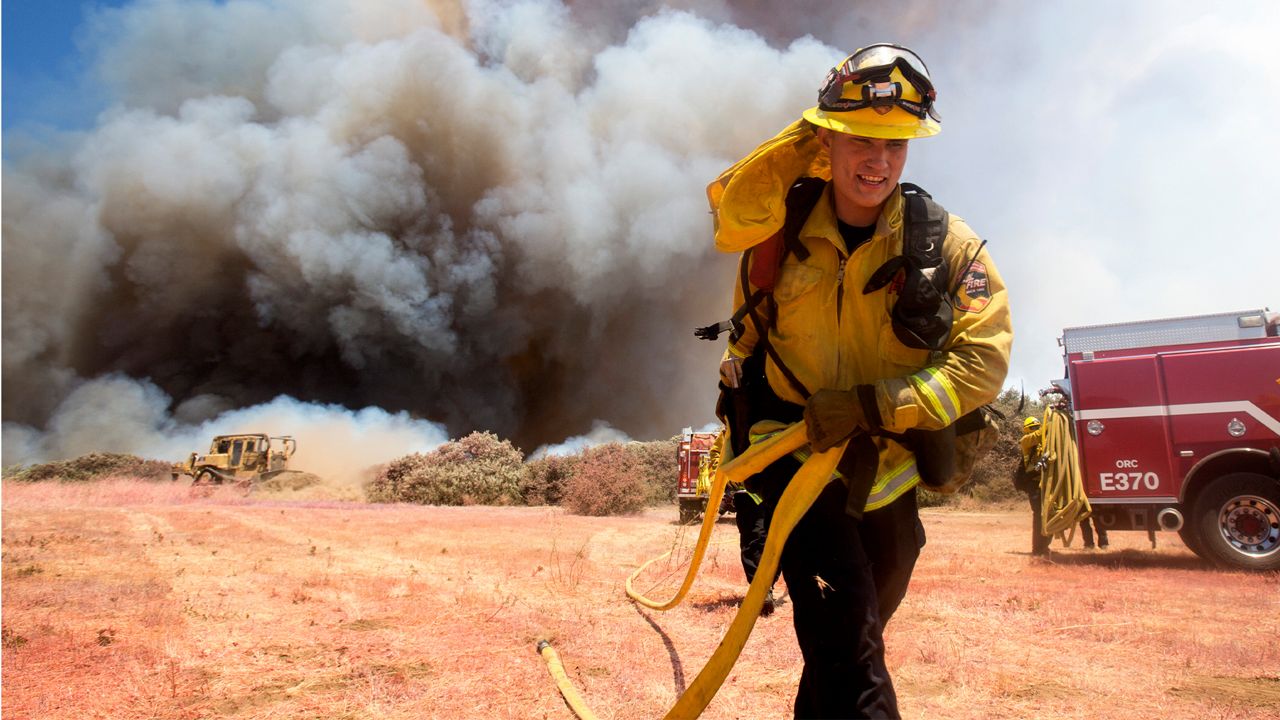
<point>892,485</point>
<point>754,438</point>
<point>802,455</point>
<point>887,487</point>
<point>934,387</point>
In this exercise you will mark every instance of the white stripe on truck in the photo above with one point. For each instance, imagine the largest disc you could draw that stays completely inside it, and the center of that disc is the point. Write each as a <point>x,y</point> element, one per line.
<point>1237,406</point>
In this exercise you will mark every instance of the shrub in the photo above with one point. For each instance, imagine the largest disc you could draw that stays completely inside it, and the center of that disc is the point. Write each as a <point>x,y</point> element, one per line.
<point>928,498</point>
<point>656,465</point>
<point>543,480</point>
<point>992,480</point>
<point>479,469</point>
<point>608,480</point>
<point>93,466</point>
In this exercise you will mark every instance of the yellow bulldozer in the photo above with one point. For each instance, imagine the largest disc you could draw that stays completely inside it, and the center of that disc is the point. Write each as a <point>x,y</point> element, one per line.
<point>240,459</point>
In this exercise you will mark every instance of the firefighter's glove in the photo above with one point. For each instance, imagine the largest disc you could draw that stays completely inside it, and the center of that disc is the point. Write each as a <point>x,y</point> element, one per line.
<point>832,416</point>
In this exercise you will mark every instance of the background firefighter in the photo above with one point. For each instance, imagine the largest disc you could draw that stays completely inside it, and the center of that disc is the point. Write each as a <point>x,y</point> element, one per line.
<point>851,339</point>
<point>1027,479</point>
<point>750,514</point>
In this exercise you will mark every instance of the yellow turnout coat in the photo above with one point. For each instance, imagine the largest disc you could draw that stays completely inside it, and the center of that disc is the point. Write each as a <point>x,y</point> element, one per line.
<point>831,335</point>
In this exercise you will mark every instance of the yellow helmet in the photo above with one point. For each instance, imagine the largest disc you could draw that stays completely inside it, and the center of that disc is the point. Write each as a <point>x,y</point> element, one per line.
<point>1030,424</point>
<point>880,91</point>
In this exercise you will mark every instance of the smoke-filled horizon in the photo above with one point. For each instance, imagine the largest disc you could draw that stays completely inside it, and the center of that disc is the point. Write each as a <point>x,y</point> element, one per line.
<point>489,215</point>
<point>484,215</point>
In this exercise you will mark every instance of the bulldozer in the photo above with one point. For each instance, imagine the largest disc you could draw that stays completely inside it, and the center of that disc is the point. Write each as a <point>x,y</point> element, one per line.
<point>239,459</point>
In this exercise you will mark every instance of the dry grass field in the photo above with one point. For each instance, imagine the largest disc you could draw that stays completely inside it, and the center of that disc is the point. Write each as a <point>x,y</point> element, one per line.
<point>124,599</point>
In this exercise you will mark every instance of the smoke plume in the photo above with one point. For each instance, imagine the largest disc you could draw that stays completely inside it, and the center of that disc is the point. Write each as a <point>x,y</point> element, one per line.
<point>487,216</point>
<point>439,217</point>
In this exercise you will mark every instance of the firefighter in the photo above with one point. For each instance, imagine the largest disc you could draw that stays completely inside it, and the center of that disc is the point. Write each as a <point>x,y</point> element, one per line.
<point>753,517</point>
<point>839,352</point>
<point>1027,479</point>
<point>1085,530</point>
<point>750,515</point>
<point>707,465</point>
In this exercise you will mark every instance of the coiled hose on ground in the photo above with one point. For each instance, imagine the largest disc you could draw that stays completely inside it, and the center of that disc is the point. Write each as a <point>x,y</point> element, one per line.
<point>1063,504</point>
<point>803,489</point>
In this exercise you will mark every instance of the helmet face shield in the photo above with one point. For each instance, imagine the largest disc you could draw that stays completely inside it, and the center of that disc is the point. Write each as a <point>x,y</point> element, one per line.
<point>873,69</point>
<point>881,91</point>
<point>884,54</point>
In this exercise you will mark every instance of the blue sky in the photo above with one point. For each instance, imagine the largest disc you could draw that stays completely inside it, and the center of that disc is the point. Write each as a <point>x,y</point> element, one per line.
<point>43,68</point>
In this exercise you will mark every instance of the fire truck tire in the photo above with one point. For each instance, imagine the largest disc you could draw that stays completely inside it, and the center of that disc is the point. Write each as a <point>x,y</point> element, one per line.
<point>1237,520</point>
<point>1191,538</point>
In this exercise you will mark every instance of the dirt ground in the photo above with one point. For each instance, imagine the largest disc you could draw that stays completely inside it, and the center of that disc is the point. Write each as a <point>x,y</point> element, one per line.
<point>133,600</point>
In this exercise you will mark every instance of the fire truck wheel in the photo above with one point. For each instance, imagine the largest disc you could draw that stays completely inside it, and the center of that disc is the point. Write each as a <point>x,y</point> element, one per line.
<point>689,509</point>
<point>1238,521</point>
<point>1191,538</point>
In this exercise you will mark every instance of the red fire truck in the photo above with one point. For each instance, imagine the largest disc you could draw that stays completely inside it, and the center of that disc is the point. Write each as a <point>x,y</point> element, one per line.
<point>691,450</point>
<point>1177,422</point>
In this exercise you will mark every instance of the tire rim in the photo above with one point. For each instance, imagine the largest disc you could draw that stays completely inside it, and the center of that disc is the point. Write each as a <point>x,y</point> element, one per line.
<point>1251,525</point>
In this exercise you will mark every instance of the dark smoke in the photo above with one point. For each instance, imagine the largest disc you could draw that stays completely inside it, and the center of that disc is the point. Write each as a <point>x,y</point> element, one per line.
<point>489,216</point>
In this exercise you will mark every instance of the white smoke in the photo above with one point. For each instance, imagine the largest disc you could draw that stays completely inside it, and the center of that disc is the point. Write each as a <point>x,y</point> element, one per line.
<point>600,434</point>
<point>490,214</point>
<point>1118,156</point>
<point>124,415</point>
<point>491,218</point>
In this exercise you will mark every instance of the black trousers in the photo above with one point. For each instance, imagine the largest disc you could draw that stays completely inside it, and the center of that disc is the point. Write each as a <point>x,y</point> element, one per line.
<point>1087,532</point>
<point>1039,543</point>
<point>753,529</point>
<point>846,578</point>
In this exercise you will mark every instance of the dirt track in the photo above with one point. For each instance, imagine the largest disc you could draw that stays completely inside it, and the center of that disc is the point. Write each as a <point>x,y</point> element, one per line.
<point>173,607</point>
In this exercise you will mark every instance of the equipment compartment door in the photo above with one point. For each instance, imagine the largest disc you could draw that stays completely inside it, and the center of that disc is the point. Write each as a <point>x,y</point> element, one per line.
<point>1122,429</point>
<point>1212,392</point>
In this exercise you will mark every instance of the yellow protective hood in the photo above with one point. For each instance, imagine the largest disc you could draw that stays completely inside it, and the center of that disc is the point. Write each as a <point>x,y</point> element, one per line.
<point>749,199</point>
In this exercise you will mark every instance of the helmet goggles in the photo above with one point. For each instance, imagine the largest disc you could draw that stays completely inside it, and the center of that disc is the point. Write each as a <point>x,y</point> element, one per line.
<point>871,68</point>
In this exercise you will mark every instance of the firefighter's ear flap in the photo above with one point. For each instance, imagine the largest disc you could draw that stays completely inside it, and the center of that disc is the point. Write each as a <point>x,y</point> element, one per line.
<point>749,199</point>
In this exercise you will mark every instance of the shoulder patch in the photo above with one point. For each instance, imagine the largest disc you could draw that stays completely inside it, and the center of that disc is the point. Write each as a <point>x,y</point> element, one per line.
<point>975,291</point>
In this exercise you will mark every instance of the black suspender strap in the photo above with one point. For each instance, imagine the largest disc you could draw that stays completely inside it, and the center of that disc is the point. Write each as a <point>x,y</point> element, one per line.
<point>800,201</point>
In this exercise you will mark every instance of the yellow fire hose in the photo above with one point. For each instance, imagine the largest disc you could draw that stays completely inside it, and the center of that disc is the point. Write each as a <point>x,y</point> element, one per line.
<point>571,696</point>
<point>803,489</point>
<point>757,457</point>
<point>1063,503</point>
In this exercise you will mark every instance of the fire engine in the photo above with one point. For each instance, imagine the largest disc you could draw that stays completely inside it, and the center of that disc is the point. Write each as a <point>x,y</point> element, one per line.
<point>690,452</point>
<point>1177,424</point>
